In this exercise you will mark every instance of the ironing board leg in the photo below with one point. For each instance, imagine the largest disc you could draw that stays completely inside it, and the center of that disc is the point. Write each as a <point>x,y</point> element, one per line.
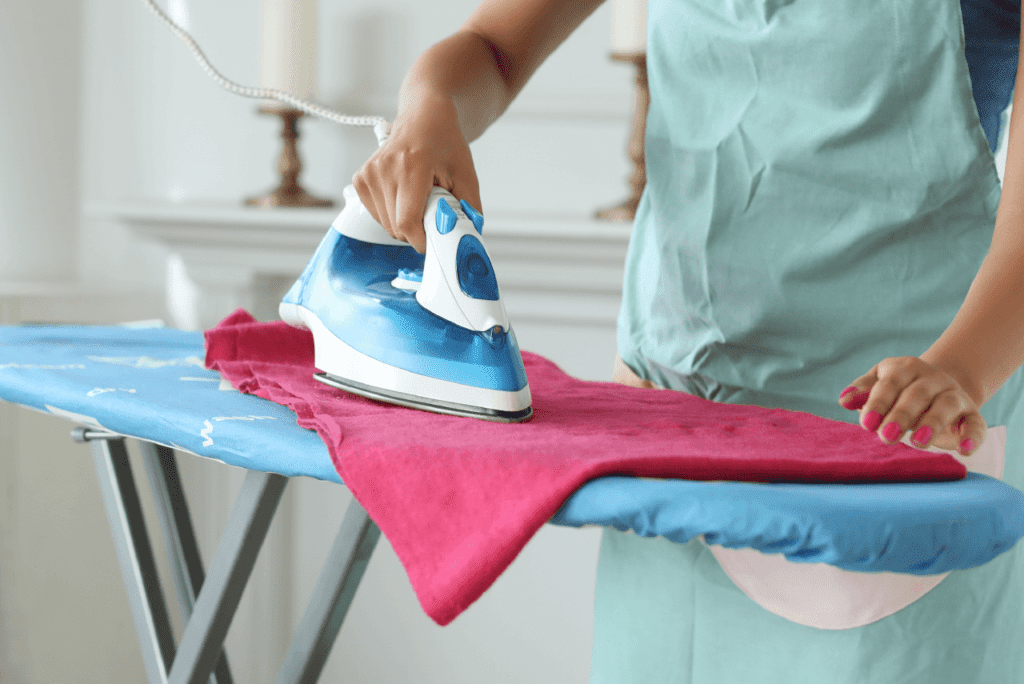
<point>232,564</point>
<point>331,598</point>
<point>134,552</point>
<point>179,536</point>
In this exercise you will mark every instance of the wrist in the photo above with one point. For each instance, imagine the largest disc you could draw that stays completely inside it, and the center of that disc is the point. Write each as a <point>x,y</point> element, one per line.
<point>424,100</point>
<point>961,373</point>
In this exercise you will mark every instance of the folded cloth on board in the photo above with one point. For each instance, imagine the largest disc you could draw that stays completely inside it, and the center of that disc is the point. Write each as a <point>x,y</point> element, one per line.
<point>459,498</point>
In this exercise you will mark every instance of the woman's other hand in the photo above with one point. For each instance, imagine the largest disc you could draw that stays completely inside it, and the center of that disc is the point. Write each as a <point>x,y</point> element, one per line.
<point>906,393</point>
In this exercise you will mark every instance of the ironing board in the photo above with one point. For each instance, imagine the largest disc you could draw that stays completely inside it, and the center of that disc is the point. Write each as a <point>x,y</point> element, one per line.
<point>151,385</point>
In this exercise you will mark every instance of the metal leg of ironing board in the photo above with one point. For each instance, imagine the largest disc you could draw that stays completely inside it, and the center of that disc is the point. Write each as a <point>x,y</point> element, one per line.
<point>232,564</point>
<point>179,537</point>
<point>331,598</point>
<point>134,551</point>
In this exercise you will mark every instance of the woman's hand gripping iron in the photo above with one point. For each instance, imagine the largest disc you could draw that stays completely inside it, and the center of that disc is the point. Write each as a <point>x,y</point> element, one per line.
<point>424,331</point>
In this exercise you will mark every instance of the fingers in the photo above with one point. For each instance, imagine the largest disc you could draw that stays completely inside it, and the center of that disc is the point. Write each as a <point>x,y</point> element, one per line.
<point>394,187</point>
<point>856,395</point>
<point>466,184</point>
<point>371,193</point>
<point>395,182</point>
<point>409,208</point>
<point>907,394</point>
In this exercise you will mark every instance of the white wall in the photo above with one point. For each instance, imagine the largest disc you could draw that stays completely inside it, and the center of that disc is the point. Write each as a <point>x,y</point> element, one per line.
<point>157,127</point>
<point>39,139</point>
<point>58,575</point>
<point>137,119</point>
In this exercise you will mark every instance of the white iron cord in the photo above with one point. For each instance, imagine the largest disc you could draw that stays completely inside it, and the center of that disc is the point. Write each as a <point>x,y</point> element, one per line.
<point>381,127</point>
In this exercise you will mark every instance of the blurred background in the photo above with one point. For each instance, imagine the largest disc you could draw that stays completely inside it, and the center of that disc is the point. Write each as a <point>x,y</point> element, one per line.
<point>123,169</point>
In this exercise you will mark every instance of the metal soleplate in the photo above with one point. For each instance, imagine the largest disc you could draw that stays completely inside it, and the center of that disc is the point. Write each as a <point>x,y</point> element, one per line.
<point>424,404</point>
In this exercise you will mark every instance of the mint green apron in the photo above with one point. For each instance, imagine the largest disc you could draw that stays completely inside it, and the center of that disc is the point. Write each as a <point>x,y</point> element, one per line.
<point>820,196</point>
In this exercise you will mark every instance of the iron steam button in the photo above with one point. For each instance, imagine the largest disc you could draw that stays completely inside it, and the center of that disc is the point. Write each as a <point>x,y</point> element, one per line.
<point>445,218</point>
<point>476,275</point>
<point>475,216</point>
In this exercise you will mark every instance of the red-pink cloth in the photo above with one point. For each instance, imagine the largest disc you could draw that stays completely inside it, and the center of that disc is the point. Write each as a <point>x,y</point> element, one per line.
<point>458,498</point>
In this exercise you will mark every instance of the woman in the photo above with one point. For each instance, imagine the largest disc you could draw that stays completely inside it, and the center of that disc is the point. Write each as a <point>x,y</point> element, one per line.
<point>822,212</point>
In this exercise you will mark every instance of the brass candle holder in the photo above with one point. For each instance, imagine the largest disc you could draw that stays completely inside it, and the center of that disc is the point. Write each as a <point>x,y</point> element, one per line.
<point>289,193</point>
<point>626,211</point>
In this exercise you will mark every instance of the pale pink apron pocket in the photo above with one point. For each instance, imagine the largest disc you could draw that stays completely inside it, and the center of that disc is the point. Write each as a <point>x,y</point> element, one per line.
<point>827,597</point>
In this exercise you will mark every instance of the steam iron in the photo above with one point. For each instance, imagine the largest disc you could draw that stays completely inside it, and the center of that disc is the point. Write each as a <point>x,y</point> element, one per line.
<point>425,331</point>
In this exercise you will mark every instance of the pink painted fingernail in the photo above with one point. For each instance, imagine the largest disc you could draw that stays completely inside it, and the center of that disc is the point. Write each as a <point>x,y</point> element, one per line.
<point>846,391</point>
<point>857,401</point>
<point>922,435</point>
<point>966,446</point>
<point>872,419</point>
<point>891,432</point>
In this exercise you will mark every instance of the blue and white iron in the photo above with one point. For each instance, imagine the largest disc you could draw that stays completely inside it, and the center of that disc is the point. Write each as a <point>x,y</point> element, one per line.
<point>429,332</point>
<point>388,324</point>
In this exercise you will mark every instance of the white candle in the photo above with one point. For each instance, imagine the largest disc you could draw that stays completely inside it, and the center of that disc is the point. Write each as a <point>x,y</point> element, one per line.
<point>629,26</point>
<point>288,49</point>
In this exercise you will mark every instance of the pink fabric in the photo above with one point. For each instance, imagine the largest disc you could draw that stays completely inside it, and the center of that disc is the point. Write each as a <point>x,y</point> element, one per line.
<point>458,498</point>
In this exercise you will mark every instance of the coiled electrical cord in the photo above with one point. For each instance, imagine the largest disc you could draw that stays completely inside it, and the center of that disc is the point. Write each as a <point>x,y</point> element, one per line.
<point>381,127</point>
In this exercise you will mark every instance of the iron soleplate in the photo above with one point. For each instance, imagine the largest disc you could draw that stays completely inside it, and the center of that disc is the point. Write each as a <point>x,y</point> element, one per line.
<point>424,404</point>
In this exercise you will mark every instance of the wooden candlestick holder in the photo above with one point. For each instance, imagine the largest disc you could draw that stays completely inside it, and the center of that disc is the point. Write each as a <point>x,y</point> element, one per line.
<point>638,178</point>
<point>289,193</point>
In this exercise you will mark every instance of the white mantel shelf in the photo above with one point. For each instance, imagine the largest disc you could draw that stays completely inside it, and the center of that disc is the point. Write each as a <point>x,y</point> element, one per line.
<point>231,218</point>
<point>550,268</point>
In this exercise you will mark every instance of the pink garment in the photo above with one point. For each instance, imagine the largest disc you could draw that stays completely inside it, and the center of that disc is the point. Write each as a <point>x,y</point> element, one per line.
<point>458,498</point>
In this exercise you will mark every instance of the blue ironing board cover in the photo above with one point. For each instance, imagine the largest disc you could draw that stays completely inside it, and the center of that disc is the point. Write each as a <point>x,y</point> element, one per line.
<point>151,384</point>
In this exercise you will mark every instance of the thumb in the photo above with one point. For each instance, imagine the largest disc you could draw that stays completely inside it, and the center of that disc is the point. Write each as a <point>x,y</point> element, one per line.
<point>971,433</point>
<point>466,186</point>
<point>471,193</point>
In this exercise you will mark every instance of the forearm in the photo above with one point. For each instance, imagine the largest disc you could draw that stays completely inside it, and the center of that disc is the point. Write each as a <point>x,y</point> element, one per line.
<point>480,69</point>
<point>984,345</point>
<point>462,72</point>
